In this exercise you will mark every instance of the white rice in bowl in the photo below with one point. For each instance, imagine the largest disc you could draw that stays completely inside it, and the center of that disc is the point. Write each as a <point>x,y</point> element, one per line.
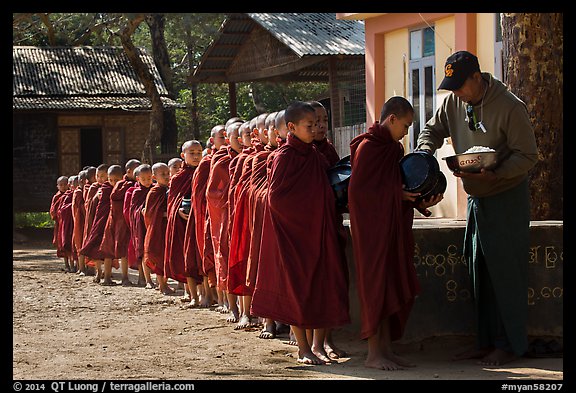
<point>479,149</point>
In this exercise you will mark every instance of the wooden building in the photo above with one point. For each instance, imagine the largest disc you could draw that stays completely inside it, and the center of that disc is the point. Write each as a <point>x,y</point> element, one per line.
<point>72,107</point>
<point>294,47</point>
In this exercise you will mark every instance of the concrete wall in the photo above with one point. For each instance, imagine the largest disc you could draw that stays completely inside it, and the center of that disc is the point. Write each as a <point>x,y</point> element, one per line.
<point>445,305</point>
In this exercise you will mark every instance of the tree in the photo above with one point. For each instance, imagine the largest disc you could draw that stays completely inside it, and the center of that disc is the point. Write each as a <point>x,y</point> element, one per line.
<point>533,70</point>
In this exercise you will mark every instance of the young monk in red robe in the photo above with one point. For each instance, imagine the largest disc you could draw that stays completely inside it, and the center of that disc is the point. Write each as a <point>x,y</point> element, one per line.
<point>386,277</point>
<point>66,225</point>
<point>155,209</point>
<point>96,177</point>
<point>101,200</point>
<point>303,284</point>
<point>320,140</point>
<point>78,216</point>
<point>324,146</point>
<point>257,201</point>
<point>217,208</point>
<point>137,226</point>
<point>201,223</point>
<point>117,232</point>
<point>240,236</point>
<point>179,189</point>
<point>62,185</point>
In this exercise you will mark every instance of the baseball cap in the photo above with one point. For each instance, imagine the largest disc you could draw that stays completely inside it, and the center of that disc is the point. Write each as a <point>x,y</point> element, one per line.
<point>459,66</point>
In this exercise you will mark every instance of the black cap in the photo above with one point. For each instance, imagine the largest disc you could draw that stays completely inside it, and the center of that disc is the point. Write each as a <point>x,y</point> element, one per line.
<point>459,66</point>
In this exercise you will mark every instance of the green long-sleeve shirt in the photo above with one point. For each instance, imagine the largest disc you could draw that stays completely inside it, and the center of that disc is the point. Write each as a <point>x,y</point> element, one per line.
<point>509,132</point>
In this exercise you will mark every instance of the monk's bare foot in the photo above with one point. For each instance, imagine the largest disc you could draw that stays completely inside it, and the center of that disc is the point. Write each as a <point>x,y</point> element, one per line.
<point>244,322</point>
<point>322,355</point>
<point>381,363</point>
<point>292,338</point>
<point>192,304</point>
<point>333,352</point>
<point>497,357</point>
<point>97,278</point>
<point>225,309</point>
<point>400,361</point>
<point>168,290</point>
<point>204,302</point>
<point>150,285</point>
<point>186,298</point>
<point>472,353</point>
<point>233,318</point>
<point>269,331</point>
<point>309,358</point>
<point>126,282</point>
<point>141,283</point>
<point>108,282</point>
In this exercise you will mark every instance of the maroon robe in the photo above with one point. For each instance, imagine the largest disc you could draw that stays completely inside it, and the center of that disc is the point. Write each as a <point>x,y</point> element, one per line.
<point>381,227</point>
<point>90,205</point>
<point>256,202</point>
<point>217,207</point>
<point>117,232</point>
<point>132,260</point>
<point>180,188</point>
<point>137,226</point>
<point>54,204</point>
<point>155,221</point>
<point>65,224</point>
<point>302,281</point>
<point>327,148</point>
<point>79,216</point>
<point>91,247</point>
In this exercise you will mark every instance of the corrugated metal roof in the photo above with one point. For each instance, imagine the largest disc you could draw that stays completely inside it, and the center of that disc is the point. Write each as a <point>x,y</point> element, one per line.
<point>74,77</point>
<point>315,33</point>
<point>305,35</point>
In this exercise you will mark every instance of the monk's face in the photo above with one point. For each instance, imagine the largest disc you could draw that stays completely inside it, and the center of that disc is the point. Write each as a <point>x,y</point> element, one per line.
<point>162,175</point>
<point>219,138</point>
<point>62,185</point>
<point>399,125</point>
<point>321,123</point>
<point>192,155</point>
<point>305,128</point>
<point>113,179</point>
<point>175,168</point>
<point>245,136</point>
<point>145,178</point>
<point>101,176</point>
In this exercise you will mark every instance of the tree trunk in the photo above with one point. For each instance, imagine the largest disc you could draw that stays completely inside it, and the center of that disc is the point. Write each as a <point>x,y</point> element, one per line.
<point>156,23</point>
<point>157,112</point>
<point>533,70</point>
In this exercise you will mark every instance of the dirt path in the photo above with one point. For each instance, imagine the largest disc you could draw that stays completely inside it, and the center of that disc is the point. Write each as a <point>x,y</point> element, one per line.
<point>67,327</point>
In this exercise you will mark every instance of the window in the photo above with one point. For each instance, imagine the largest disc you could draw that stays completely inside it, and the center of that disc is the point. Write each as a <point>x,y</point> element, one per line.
<point>421,80</point>
<point>498,53</point>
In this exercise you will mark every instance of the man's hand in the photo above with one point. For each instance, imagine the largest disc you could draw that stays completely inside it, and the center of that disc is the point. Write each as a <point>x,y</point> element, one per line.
<point>409,196</point>
<point>483,175</point>
<point>182,214</point>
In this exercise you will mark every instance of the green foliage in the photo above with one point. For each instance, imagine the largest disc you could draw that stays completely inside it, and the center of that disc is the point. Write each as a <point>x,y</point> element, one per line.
<point>33,219</point>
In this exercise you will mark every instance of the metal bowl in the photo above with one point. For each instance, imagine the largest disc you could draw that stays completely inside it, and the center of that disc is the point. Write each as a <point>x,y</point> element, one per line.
<point>472,162</point>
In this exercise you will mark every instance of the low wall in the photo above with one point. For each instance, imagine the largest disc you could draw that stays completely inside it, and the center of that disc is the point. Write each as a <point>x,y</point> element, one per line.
<point>445,305</point>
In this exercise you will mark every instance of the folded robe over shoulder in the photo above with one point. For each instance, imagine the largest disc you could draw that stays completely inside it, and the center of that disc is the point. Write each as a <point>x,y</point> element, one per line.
<point>155,221</point>
<point>117,232</point>
<point>180,188</point>
<point>78,215</point>
<point>137,227</point>
<point>381,228</point>
<point>302,281</point>
<point>92,244</point>
<point>217,208</point>
<point>54,204</point>
<point>66,224</point>
<point>327,148</point>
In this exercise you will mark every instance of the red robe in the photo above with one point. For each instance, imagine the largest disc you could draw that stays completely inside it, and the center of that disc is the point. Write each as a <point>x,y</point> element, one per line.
<point>78,215</point>
<point>327,148</point>
<point>54,216</point>
<point>155,221</point>
<point>90,205</point>
<point>65,224</point>
<point>132,260</point>
<point>137,226</point>
<point>302,281</point>
<point>93,241</point>
<point>381,227</point>
<point>217,207</point>
<point>256,202</point>
<point>117,232</point>
<point>180,188</point>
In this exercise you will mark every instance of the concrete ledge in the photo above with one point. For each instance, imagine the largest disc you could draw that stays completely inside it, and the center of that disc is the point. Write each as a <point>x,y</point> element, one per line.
<point>445,305</point>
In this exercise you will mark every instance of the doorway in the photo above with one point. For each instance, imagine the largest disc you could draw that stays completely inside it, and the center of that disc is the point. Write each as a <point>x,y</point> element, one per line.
<point>90,146</point>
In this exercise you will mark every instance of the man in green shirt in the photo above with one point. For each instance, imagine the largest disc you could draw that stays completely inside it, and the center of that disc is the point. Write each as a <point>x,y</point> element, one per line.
<point>481,111</point>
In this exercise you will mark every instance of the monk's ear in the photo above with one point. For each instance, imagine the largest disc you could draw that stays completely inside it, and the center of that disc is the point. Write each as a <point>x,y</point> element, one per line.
<point>291,126</point>
<point>211,140</point>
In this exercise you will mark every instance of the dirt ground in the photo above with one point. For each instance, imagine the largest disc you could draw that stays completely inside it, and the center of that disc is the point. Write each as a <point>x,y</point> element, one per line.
<point>65,327</point>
